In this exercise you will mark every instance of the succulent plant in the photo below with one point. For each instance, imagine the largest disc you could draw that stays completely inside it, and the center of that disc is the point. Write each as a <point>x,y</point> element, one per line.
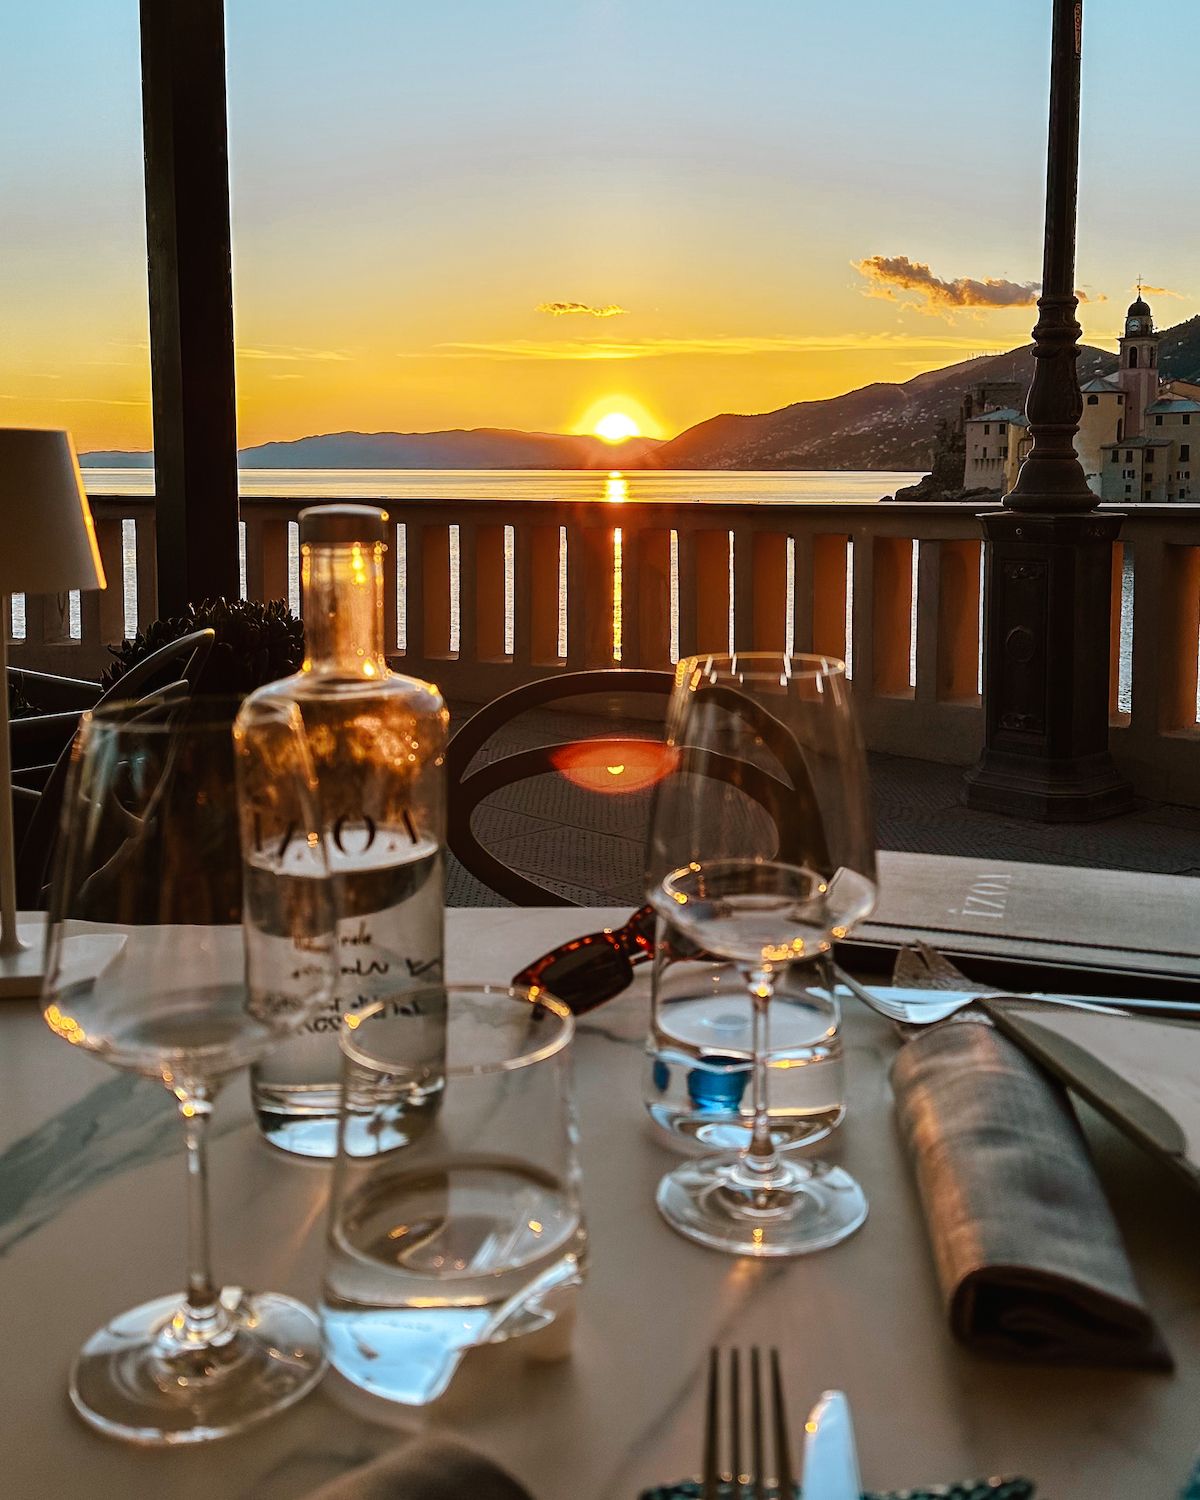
<point>255,643</point>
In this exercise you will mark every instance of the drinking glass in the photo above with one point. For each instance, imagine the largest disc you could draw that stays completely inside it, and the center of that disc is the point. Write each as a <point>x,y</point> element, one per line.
<point>700,1059</point>
<point>761,852</point>
<point>460,1225</point>
<point>189,929</point>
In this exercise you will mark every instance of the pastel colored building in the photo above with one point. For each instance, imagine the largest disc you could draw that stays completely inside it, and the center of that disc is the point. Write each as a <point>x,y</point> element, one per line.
<point>996,443</point>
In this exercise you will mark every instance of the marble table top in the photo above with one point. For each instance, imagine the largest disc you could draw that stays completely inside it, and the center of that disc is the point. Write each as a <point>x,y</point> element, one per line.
<point>91,1203</point>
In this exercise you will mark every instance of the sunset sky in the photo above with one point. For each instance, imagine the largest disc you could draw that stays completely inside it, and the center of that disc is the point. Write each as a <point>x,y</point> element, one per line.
<point>529,213</point>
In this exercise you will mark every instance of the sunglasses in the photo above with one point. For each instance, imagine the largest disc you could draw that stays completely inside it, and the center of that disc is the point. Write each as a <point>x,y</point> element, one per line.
<point>591,969</point>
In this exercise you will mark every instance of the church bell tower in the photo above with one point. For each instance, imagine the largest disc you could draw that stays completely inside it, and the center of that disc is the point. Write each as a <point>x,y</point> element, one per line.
<point>1138,374</point>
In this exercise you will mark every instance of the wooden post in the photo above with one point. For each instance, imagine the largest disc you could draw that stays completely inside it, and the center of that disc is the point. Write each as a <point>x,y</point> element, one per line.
<point>191,300</point>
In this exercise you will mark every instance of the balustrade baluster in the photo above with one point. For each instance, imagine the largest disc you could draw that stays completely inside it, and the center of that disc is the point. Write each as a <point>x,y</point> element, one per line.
<point>483,584</point>
<point>744,585</point>
<point>414,593</point>
<point>763,614</point>
<point>647,597</point>
<point>146,563</point>
<point>35,630</point>
<point>1114,635</point>
<point>524,576</point>
<point>102,611</point>
<point>709,550</point>
<point>589,595</point>
<point>391,590</point>
<point>1179,624</point>
<point>536,600</point>
<point>432,559</point>
<point>266,556</point>
<point>627,567</point>
<point>802,590</point>
<point>827,569</point>
<point>955,566</point>
<point>889,591</point>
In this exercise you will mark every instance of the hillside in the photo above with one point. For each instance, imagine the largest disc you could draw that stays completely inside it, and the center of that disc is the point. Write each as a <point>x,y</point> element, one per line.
<point>1179,351</point>
<point>878,426</point>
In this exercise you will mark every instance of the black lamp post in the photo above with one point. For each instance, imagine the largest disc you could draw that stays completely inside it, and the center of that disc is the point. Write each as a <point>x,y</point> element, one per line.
<point>1049,554</point>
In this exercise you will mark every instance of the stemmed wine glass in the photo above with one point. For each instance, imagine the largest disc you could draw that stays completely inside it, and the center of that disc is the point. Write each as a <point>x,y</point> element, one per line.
<point>190,928</point>
<point>761,852</point>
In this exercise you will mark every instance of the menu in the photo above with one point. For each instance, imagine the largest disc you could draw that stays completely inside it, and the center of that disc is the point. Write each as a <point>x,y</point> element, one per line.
<point>1057,914</point>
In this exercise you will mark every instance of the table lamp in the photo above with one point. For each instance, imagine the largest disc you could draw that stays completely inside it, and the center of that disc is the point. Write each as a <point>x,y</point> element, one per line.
<point>48,547</point>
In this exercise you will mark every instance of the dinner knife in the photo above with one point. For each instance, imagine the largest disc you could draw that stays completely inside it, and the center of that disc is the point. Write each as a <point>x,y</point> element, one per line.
<point>830,1461</point>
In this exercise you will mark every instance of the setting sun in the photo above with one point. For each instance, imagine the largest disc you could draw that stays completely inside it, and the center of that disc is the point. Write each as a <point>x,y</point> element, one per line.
<point>616,427</point>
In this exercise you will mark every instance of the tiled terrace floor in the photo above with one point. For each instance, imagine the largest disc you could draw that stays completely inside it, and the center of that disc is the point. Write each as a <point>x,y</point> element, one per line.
<point>589,846</point>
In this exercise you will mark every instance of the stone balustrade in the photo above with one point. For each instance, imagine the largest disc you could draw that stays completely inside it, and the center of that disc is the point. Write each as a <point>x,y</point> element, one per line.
<point>485,595</point>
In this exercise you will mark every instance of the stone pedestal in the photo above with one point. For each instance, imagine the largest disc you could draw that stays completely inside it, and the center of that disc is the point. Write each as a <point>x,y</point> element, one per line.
<point>1046,670</point>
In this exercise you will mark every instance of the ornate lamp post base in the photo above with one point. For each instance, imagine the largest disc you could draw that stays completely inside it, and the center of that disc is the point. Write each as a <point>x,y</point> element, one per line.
<point>1046,670</point>
<point>1047,626</point>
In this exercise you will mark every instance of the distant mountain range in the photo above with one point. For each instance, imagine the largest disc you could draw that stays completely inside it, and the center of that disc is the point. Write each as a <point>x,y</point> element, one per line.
<point>475,448</point>
<point>878,426</point>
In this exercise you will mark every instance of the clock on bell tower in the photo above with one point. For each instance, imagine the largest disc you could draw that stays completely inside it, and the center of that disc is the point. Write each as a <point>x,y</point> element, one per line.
<point>1138,372</point>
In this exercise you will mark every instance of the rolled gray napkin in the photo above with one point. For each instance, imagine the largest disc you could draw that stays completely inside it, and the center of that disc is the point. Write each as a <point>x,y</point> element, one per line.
<point>1029,1258</point>
<point>428,1469</point>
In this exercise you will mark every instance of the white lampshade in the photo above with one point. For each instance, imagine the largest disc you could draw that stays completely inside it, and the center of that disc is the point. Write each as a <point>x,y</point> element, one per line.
<point>48,540</point>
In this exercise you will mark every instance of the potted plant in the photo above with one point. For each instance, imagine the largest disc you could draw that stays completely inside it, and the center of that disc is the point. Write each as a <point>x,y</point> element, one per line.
<point>255,644</point>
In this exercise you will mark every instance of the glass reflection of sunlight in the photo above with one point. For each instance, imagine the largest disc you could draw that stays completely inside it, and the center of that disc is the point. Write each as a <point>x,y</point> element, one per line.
<point>614,767</point>
<point>616,487</point>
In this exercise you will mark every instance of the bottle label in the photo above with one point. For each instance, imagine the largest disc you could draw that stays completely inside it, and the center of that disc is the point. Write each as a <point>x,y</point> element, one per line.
<point>388,895</point>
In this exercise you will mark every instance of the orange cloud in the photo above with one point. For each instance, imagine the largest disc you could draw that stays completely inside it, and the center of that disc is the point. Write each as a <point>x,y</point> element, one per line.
<point>564,309</point>
<point>1164,291</point>
<point>292,353</point>
<point>890,275</point>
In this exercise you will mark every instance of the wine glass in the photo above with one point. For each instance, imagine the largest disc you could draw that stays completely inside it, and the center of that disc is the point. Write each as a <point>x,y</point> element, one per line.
<point>761,852</point>
<point>190,928</point>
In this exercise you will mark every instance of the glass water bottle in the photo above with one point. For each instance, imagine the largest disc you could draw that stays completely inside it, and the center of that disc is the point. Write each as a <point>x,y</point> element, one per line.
<point>377,740</point>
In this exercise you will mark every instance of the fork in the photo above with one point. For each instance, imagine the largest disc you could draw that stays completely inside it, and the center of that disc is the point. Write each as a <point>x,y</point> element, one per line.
<point>925,966</point>
<point>719,1484</point>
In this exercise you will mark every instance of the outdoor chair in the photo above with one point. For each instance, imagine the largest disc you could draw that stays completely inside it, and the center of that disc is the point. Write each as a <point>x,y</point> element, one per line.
<point>585,830</point>
<point>173,669</point>
<point>37,738</point>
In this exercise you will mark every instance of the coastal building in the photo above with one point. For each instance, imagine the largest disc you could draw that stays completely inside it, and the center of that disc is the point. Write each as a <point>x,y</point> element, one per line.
<point>1101,421</point>
<point>1147,455</point>
<point>996,444</point>
<point>1135,431</point>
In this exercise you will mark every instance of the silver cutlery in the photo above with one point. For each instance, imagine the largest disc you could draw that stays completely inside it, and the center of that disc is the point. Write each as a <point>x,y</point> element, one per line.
<point>929,989</point>
<point>920,1007</point>
<point>830,1458</point>
<point>725,1407</point>
<point>925,967</point>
